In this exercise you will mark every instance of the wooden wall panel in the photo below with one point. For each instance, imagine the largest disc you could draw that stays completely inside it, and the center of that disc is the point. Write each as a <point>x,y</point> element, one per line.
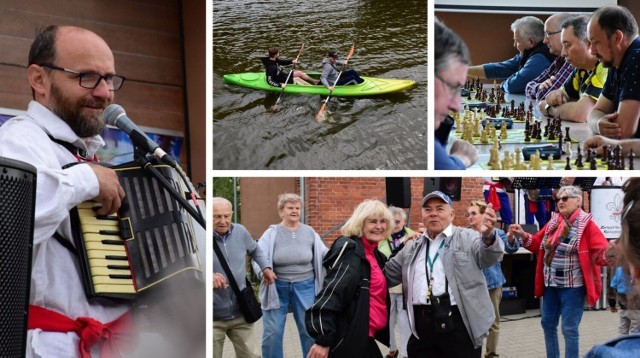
<point>489,36</point>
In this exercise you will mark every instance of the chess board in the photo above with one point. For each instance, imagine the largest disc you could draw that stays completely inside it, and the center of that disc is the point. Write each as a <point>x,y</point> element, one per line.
<point>558,164</point>
<point>514,136</point>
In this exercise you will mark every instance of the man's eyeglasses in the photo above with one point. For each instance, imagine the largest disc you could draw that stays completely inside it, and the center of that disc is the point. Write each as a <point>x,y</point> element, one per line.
<point>549,34</point>
<point>454,90</point>
<point>91,80</point>
<point>564,199</point>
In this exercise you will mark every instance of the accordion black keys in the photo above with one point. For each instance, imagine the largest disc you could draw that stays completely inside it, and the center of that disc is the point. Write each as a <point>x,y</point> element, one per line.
<point>151,239</point>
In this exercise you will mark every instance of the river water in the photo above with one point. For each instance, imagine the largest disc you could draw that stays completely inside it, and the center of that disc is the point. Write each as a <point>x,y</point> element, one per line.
<point>377,132</point>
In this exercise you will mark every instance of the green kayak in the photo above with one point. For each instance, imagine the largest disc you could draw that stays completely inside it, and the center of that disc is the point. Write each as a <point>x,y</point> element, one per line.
<point>370,86</point>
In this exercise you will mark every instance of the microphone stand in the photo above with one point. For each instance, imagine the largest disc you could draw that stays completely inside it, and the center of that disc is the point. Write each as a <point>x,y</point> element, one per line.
<point>139,155</point>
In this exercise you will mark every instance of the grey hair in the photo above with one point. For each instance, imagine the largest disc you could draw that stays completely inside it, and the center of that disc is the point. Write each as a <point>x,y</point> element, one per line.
<point>398,211</point>
<point>579,25</point>
<point>220,200</point>
<point>529,27</point>
<point>448,47</point>
<point>572,191</point>
<point>288,198</point>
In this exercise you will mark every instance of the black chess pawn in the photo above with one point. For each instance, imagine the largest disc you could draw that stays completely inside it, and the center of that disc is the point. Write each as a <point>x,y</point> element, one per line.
<point>567,134</point>
<point>539,135</point>
<point>579,163</point>
<point>631,156</point>
<point>578,155</point>
<point>592,164</point>
<point>568,166</point>
<point>527,136</point>
<point>561,142</point>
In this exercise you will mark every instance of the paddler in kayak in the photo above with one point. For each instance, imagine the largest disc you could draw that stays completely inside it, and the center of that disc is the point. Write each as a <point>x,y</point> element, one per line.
<point>330,72</point>
<point>277,77</point>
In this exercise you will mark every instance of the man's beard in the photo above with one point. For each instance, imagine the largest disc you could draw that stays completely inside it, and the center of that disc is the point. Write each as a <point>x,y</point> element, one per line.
<point>70,112</point>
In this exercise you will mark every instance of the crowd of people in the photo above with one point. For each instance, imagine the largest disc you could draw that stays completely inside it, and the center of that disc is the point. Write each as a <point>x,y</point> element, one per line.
<point>579,68</point>
<point>441,284</point>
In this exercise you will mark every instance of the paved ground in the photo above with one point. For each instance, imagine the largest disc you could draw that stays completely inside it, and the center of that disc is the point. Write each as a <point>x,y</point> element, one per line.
<point>520,335</point>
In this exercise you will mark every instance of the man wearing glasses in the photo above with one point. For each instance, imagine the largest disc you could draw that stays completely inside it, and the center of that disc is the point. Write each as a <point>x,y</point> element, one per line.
<point>72,76</point>
<point>533,57</point>
<point>557,73</point>
<point>451,63</point>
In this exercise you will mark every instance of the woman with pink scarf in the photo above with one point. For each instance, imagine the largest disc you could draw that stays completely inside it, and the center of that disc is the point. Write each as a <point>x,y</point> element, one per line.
<point>570,250</point>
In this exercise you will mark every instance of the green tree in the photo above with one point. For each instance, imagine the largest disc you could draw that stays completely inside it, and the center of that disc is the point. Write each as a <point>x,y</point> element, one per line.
<point>223,187</point>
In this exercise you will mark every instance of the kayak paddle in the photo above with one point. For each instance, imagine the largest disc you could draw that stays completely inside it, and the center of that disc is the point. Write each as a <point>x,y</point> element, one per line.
<point>320,114</point>
<point>290,72</point>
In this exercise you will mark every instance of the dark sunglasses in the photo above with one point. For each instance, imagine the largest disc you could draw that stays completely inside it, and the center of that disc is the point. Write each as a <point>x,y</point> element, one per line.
<point>564,199</point>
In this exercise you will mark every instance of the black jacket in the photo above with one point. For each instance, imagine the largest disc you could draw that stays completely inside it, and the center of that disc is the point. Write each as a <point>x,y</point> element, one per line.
<point>274,72</point>
<point>339,317</point>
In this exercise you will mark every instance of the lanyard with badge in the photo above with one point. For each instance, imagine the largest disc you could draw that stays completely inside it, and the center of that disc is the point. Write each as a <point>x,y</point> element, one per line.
<point>429,268</point>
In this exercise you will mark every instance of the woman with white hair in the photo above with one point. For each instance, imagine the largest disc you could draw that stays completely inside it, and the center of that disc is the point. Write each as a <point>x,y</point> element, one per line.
<point>295,252</point>
<point>570,250</point>
<point>350,312</point>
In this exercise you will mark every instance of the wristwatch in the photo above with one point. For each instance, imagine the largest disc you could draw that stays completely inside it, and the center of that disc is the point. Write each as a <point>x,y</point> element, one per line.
<point>546,109</point>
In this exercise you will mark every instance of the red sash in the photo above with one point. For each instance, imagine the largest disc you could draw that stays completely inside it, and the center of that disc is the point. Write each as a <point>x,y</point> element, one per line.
<point>115,336</point>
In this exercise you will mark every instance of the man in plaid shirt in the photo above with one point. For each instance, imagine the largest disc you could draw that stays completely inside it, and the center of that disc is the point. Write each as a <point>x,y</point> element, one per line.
<point>557,73</point>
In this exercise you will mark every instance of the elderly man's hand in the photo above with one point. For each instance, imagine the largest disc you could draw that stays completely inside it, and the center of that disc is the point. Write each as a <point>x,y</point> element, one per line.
<point>466,151</point>
<point>488,221</point>
<point>219,282</point>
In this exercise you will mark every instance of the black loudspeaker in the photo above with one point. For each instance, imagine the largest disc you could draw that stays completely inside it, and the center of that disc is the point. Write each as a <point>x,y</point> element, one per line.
<point>449,186</point>
<point>398,192</point>
<point>17,209</point>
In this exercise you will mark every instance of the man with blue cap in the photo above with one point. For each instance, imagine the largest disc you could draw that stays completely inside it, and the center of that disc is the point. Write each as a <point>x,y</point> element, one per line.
<point>448,303</point>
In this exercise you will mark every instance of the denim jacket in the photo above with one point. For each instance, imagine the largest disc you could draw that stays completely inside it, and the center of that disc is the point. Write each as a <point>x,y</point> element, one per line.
<point>493,273</point>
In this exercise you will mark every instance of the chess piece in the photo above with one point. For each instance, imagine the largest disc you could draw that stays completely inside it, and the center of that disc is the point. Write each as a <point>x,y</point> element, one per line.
<point>503,130</point>
<point>589,154</point>
<point>568,166</point>
<point>483,137</point>
<point>631,156</point>
<point>561,142</point>
<point>592,164</point>
<point>539,135</point>
<point>568,138</point>
<point>550,162</point>
<point>518,153</point>
<point>567,150</point>
<point>579,163</point>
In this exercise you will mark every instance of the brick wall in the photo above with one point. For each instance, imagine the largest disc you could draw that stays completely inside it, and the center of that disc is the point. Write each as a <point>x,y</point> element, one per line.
<point>330,201</point>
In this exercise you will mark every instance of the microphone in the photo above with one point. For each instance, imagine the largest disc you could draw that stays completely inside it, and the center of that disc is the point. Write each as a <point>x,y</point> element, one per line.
<point>115,115</point>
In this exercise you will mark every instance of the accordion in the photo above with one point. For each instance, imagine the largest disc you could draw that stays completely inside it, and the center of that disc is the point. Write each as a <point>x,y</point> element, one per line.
<point>149,241</point>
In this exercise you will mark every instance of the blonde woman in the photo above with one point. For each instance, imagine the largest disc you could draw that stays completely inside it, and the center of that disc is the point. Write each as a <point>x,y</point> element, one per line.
<point>350,312</point>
